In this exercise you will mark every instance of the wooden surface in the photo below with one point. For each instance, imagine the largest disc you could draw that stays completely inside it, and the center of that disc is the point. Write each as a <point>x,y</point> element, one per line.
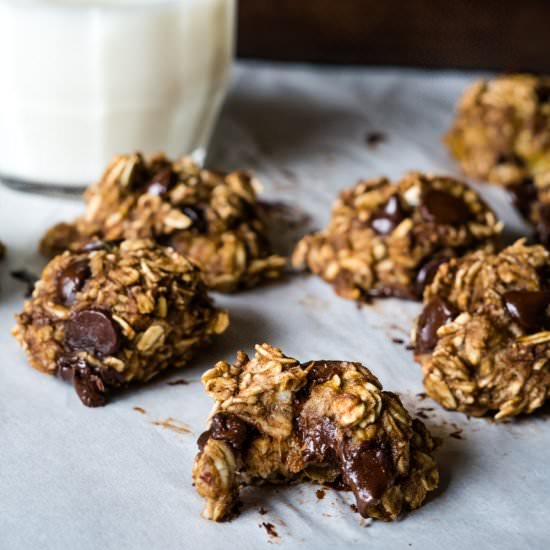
<point>490,34</point>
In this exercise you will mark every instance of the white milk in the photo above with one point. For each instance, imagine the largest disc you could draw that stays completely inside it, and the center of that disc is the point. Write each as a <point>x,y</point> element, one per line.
<point>83,80</point>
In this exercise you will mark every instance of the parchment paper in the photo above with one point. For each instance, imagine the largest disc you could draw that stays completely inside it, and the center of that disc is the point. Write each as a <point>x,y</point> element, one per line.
<point>110,478</point>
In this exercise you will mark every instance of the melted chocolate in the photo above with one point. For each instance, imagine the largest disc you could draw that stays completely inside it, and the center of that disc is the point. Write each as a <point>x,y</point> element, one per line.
<point>227,427</point>
<point>90,389</point>
<point>443,208</point>
<point>527,308</point>
<point>387,217</point>
<point>323,371</point>
<point>435,314</point>
<point>91,383</point>
<point>93,331</point>
<point>427,272</point>
<point>71,280</point>
<point>319,439</point>
<point>368,470</point>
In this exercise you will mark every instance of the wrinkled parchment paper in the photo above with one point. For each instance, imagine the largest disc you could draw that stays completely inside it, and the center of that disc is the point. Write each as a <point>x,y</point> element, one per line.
<point>119,477</point>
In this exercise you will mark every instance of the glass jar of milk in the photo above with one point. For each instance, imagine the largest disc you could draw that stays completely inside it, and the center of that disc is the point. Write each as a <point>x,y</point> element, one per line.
<point>83,80</point>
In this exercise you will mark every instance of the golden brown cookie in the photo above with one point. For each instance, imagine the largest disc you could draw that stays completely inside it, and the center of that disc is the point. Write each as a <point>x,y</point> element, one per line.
<point>387,239</point>
<point>109,315</point>
<point>483,337</point>
<point>212,218</point>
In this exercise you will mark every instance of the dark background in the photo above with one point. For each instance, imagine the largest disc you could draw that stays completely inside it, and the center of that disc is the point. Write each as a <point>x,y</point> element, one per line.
<point>505,35</point>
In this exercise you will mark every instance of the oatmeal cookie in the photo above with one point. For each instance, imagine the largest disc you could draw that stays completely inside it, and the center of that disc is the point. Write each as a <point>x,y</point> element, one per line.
<point>388,239</point>
<point>483,337</point>
<point>110,315</point>
<point>276,420</point>
<point>501,132</point>
<point>210,217</point>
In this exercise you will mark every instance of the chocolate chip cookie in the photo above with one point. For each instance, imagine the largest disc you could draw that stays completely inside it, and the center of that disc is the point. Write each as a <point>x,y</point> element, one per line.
<point>325,421</point>
<point>501,134</point>
<point>388,239</point>
<point>483,337</point>
<point>107,315</point>
<point>212,218</point>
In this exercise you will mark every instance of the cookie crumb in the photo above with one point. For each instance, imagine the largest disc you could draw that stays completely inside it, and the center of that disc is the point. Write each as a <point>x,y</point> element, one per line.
<point>270,529</point>
<point>374,139</point>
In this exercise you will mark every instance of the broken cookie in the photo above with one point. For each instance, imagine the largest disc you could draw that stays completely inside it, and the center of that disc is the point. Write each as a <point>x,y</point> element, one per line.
<point>276,420</point>
<point>212,218</point>
<point>388,239</point>
<point>107,315</point>
<point>483,337</point>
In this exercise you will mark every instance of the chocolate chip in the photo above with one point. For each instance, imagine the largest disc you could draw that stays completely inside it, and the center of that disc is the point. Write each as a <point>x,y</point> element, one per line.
<point>90,388</point>
<point>443,208</point>
<point>87,382</point>
<point>528,308</point>
<point>93,331</point>
<point>227,427</point>
<point>231,429</point>
<point>71,280</point>
<point>543,224</point>
<point>318,437</point>
<point>427,272</point>
<point>161,182</point>
<point>524,194</point>
<point>197,215</point>
<point>388,216</point>
<point>66,365</point>
<point>99,244</point>
<point>368,470</point>
<point>323,371</point>
<point>436,314</point>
